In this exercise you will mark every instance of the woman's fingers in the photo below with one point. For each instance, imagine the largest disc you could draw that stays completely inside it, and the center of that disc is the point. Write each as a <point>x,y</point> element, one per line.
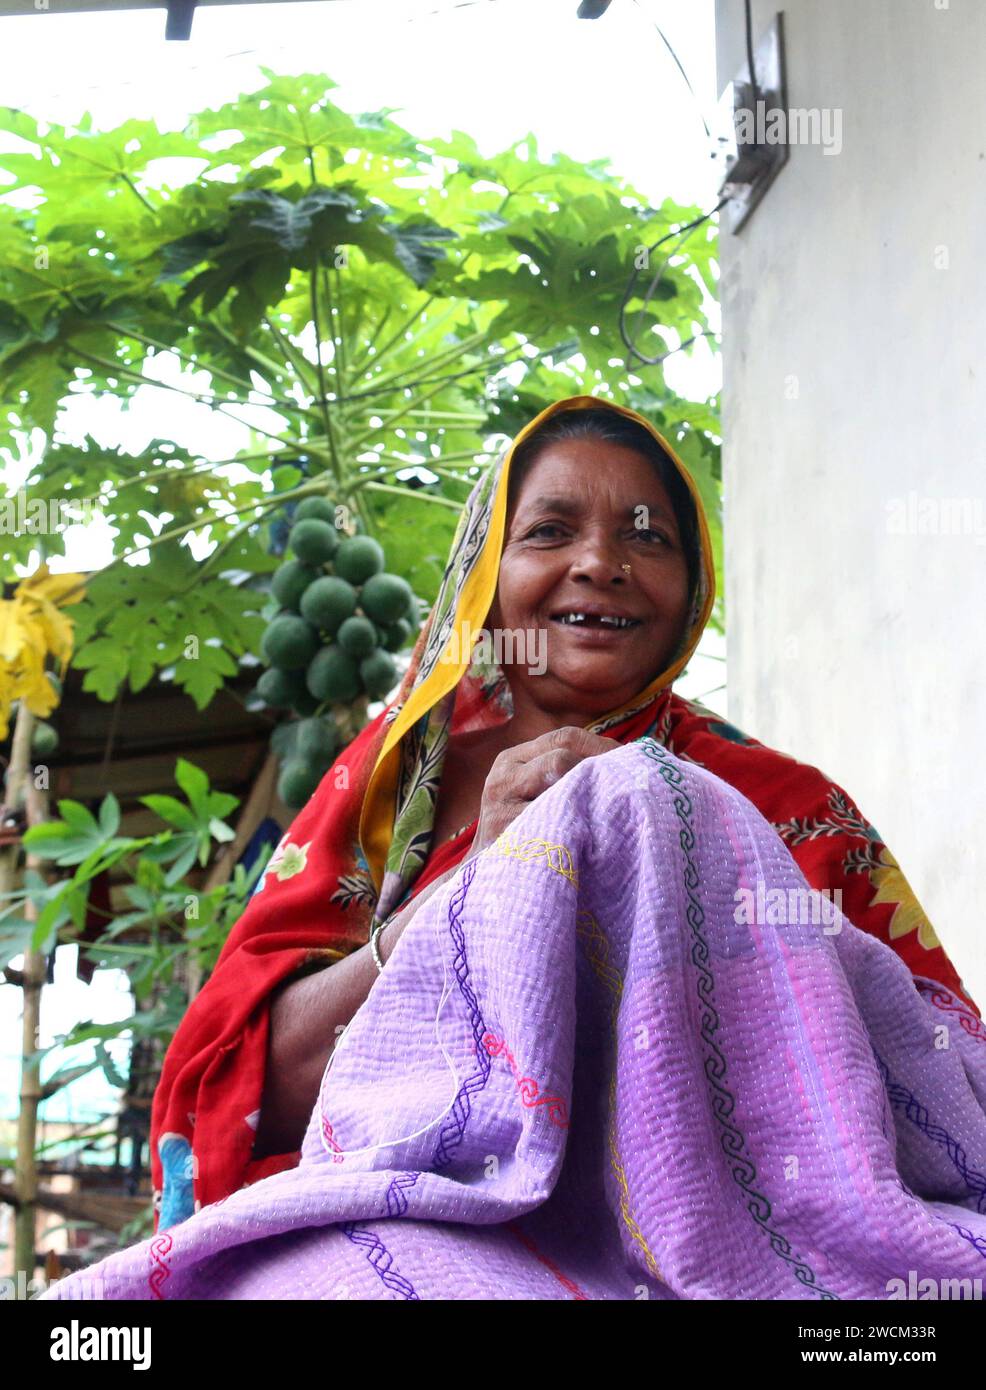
<point>580,742</point>
<point>532,776</point>
<point>569,745</point>
<point>519,775</point>
<point>544,771</point>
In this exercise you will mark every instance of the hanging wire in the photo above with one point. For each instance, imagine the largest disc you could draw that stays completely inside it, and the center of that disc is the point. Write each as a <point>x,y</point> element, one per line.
<point>749,52</point>
<point>682,233</point>
<point>681,68</point>
<point>633,352</point>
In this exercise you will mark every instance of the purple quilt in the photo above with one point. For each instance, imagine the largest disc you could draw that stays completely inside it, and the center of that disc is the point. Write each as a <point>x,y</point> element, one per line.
<point>625,1053</point>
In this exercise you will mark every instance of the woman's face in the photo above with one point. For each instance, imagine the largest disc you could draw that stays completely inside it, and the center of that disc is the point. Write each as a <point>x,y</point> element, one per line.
<point>584,511</point>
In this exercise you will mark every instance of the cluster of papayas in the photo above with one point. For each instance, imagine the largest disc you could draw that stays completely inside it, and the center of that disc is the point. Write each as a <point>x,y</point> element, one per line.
<point>342,616</point>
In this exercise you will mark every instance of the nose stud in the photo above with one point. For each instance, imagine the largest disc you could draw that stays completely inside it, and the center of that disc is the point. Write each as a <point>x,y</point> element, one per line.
<point>626,568</point>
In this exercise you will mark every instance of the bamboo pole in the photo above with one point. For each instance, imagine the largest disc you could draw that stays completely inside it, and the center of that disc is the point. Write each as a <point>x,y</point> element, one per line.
<point>21,792</point>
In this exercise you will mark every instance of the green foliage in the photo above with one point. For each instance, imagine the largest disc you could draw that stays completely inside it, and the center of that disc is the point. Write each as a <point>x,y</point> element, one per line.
<point>167,922</point>
<point>454,295</point>
<point>91,845</point>
<point>165,615</point>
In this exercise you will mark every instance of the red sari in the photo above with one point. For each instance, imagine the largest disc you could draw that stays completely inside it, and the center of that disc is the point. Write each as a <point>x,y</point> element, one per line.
<point>316,899</point>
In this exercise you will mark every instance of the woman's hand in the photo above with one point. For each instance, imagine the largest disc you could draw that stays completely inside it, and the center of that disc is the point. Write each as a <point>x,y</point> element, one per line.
<point>519,776</point>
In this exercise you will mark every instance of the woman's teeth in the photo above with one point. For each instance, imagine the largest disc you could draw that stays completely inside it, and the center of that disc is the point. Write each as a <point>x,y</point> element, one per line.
<point>597,620</point>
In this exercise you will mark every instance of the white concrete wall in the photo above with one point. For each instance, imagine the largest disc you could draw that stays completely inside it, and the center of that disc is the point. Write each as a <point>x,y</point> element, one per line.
<point>854,305</point>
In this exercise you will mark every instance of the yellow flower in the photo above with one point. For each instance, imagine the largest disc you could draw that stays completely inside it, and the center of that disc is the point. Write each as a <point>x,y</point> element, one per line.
<point>40,596</point>
<point>7,697</point>
<point>15,630</point>
<point>34,687</point>
<point>893,887</point>
<point>52,588</point>
<point>32,628</point>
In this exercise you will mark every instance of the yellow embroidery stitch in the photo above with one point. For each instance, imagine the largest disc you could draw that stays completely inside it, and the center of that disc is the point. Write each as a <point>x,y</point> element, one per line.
<point>556,857</point>
<point>597,952</point>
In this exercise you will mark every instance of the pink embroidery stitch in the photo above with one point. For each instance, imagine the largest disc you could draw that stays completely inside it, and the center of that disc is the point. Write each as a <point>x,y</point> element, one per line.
<point>944,1000</point>
<point>528,1087</point>
<point>549,1264</point>
<point>159,1248</point>
<point>337,1154</point>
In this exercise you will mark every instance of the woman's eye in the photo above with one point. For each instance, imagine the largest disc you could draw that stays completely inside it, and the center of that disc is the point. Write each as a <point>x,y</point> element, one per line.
<point>651,536</point>
<point>545,526</point>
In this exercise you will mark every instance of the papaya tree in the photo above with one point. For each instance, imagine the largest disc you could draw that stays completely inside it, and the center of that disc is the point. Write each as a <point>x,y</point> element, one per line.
<point>373,309</point>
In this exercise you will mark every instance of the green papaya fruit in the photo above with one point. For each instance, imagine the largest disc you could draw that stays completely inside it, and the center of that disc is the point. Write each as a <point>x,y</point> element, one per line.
<point>290,581</point>
<point>357,558</point>
<point>333,675</point>
<point>357,636</point>
<point>384,598</point>
<point>289,643</point>
<point>378,674</point>
<point>313,541</point>
<point>328,602</point>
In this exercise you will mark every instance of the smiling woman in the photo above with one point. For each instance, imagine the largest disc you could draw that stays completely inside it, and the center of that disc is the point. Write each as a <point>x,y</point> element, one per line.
<point>600,559</point>
<point>597,554</point>
<point>549,895</point>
